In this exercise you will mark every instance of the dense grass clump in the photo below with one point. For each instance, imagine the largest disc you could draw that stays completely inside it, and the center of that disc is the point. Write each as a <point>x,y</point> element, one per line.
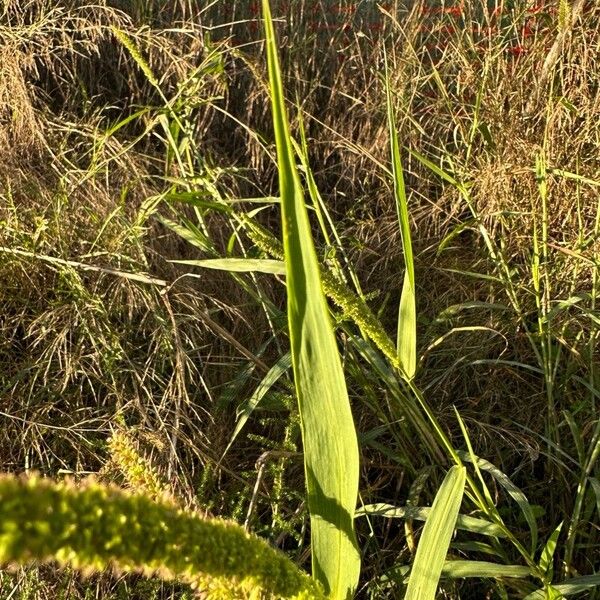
<point>448,156</point>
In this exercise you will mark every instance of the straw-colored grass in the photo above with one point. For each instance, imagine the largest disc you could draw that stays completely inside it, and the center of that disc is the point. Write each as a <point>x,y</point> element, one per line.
<point>109,180</point>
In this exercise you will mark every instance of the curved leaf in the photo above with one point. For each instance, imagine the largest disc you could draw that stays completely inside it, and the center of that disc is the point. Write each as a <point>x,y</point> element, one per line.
<point>576,585</point>
<point>422,513</point>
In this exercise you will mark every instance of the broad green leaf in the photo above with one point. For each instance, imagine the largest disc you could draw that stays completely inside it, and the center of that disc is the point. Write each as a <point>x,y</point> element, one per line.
<point>422,513</point>
<point>328,434</point>
<point>457,569</point>
<point>407,314</point>
<point>435,539</point>
<point>238,265</point>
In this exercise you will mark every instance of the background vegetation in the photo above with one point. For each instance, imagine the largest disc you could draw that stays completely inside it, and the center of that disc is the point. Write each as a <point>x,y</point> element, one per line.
<point>137,134</point>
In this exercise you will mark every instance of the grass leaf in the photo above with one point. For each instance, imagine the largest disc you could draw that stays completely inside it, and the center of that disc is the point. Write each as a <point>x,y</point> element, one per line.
<point>547,557</point>
<point>576,585</point>
<point>328,434</point>
<point>238,265</point>
<point>512,490</point>
<point>422,513</point>
<point>407,314</point>
<point>435,539</point>
<point>244,412</point>
<point>457,569</point>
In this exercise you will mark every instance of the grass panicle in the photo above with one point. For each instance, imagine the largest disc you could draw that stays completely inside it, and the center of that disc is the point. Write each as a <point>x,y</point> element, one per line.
<point>92,527</point>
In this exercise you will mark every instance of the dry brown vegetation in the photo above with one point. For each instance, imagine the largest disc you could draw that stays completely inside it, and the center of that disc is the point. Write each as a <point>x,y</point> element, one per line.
<point>99,330</point>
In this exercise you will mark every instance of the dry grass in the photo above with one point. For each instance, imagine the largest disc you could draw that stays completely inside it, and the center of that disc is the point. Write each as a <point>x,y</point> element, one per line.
<point>82,350</point>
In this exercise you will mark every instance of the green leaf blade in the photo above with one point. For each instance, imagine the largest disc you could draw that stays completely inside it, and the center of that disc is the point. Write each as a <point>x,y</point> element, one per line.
<point>570,587</point>
<point>407,313</point>
<point>238,265</point>
<point>459,569</point>
<point>435,539</point>
<point>328,433</point>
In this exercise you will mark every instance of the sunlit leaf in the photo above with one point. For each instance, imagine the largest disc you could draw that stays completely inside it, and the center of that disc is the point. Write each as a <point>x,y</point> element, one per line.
<point>435,539</point>
<point>238,265</point>
<point>328,434</point>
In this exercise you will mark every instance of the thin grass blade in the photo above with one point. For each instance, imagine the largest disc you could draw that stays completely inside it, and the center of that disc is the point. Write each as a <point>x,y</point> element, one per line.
<point>512,490</point>
<point>407,314</point>
<point>422,513</point>
<point>458,569</point>
<point>547,556</point>
<point>269,380</point>
<point>573,586</point>
<point>238,265</point>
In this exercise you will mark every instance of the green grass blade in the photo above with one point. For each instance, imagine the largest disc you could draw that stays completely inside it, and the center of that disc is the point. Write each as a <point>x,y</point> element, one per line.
<point>435,539</point>
<point>269,380</point>
<point>422,513</point>
<point>513,491</point>
<point>457,569</point>
<point>407,317</point>
<point>596,487</point>
<point>571,587</point>
<point>475,546</point>
<point>189,232</point>
<point>484,489</point>
<point>328,434</point>
<point>238,265</point>
<point>547,556</point>
<point>74,264</point>
<point>200,199</point>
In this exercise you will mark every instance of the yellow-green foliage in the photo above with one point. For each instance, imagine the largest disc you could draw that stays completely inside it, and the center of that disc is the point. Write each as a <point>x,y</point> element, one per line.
<point>137,471</point>
<point>92,527</point>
